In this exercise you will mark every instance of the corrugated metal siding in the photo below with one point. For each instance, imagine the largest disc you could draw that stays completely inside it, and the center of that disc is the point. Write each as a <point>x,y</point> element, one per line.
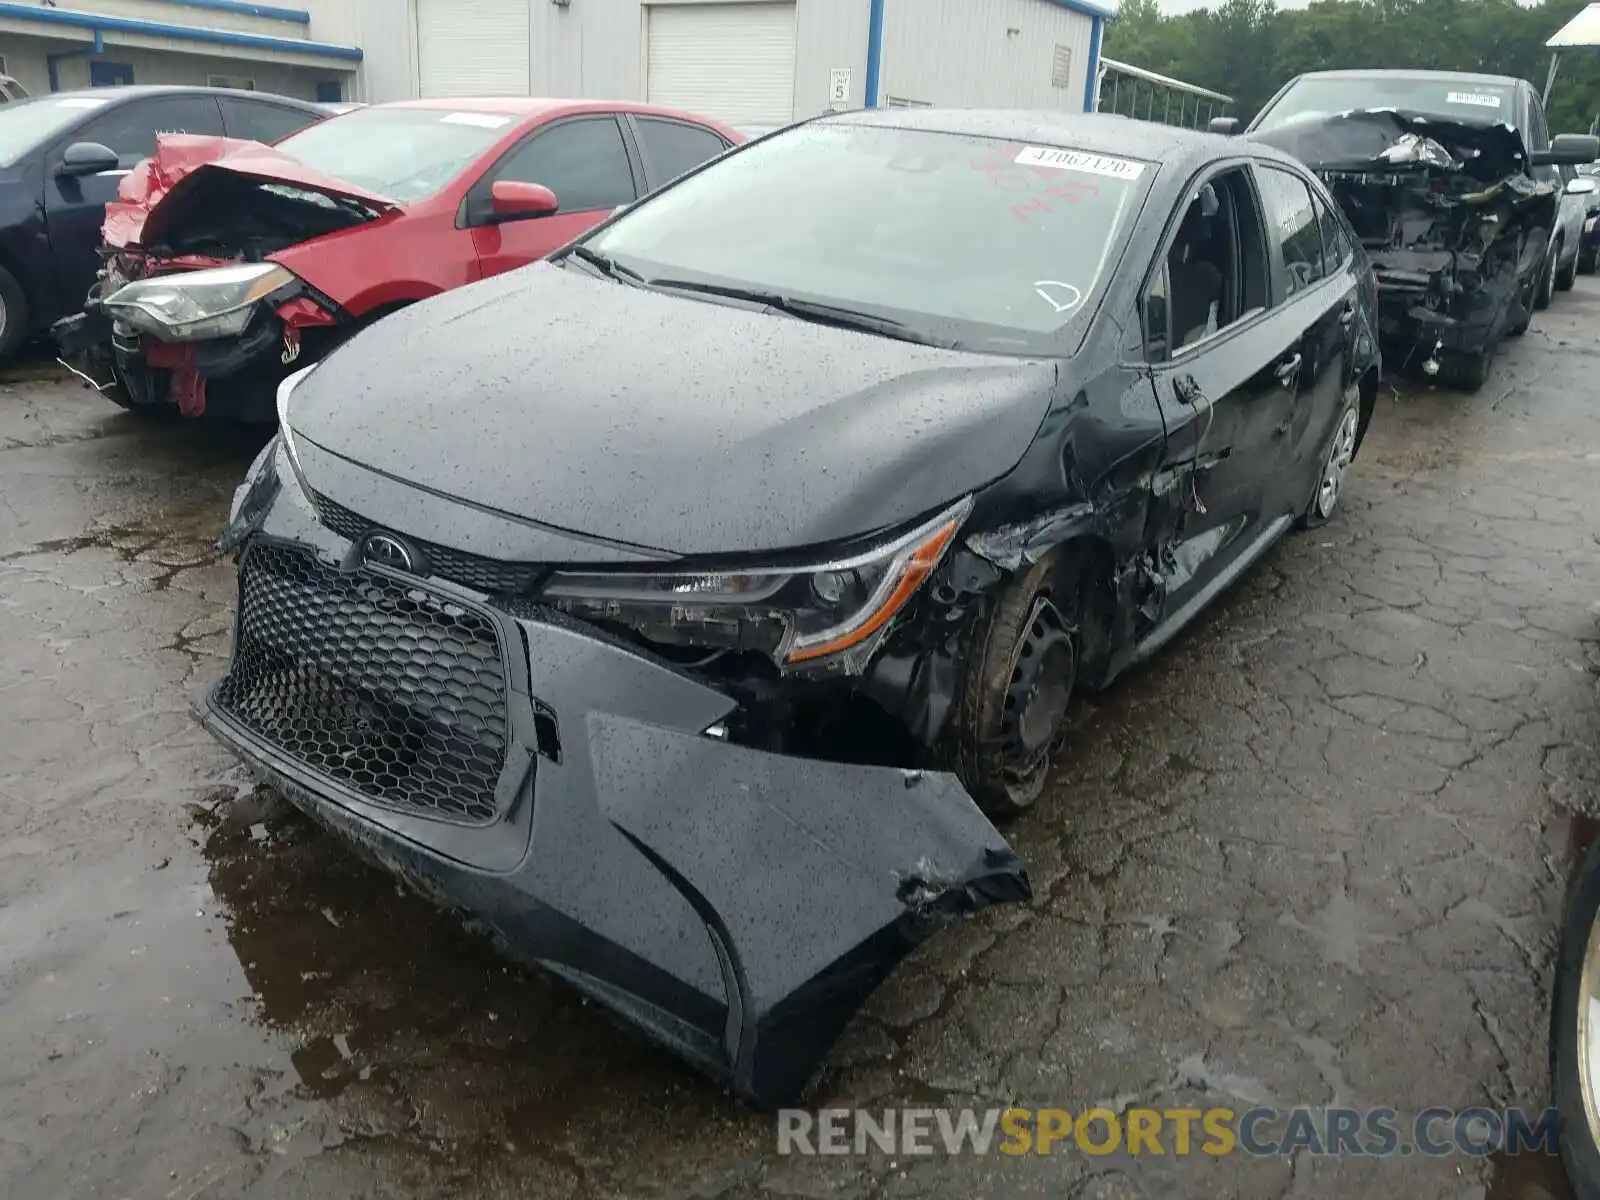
<point>386,32</point>
<point>734,62</point>
<point>595,48</point>
<point>984,53</point>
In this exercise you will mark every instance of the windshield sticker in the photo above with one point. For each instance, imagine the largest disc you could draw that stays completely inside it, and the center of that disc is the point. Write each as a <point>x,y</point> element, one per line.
<point>481,120</point>
<point>1062,297</point>
<point>1478,99</point>
<point>82,102</point>
<point>1077,160</point>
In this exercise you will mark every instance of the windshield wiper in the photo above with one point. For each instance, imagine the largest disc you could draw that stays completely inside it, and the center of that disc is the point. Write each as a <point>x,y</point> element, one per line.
<point>607,266</point>
<point>810,310</point>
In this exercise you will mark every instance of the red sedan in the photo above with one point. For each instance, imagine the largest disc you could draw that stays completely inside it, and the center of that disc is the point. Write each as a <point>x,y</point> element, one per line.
<point>231,263</point>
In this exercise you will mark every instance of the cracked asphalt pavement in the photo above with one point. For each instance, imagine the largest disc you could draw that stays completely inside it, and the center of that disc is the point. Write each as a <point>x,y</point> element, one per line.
<point>1312,854</point>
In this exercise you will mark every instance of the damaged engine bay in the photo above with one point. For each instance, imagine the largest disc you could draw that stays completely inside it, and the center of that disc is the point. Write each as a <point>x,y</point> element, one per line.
<point>1456,226</point>
<point>190,292</point>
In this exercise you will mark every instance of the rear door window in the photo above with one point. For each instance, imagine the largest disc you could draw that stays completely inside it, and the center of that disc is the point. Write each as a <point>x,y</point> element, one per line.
<point>584,162</point>
<point>673,148</point>
<point>130,129</point>
<point>1292,224</point>
<point>1336,247</point>
<point>260,121</point>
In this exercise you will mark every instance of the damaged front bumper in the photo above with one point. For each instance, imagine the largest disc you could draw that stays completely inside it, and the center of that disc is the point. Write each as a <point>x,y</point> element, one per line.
<point>577,797</point>
<point>142,371</point>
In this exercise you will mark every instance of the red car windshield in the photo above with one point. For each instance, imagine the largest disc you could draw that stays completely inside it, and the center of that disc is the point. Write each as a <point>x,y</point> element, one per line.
<point>405,154</point>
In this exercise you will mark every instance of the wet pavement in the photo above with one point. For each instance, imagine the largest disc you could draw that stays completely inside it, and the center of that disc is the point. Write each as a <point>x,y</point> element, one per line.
<point>1313,854</point>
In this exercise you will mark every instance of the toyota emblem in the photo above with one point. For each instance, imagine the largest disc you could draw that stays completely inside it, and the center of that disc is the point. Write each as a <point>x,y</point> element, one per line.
<point>385,551</point>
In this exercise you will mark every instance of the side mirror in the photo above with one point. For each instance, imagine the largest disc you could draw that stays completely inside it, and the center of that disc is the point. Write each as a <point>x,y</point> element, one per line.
<point>1568,149</point>
<point>1226,126</point>
<point>511,200</point>
<point>87,158</point>
<point>1583,185</point>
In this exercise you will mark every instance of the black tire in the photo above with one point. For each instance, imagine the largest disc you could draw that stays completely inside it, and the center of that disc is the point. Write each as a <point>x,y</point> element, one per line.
<point>1019,676</point>
<point>15,316</point>
<point>1342,444</point>
<point>1466,372</point>
<point>1588,260</point>
<point>1567,276</point>
<point>1579,1152</point>
<point>1545,289</point>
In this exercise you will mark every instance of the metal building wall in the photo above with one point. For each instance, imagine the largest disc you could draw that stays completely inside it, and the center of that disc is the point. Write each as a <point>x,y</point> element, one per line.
<point>596,49</point>
<point>386,32</point>
<point>590,48</point>
<point>984,53</point>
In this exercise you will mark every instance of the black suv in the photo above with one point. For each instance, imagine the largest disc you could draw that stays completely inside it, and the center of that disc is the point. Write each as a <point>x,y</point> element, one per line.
<point>62,157</point>
<point>1450,180</point>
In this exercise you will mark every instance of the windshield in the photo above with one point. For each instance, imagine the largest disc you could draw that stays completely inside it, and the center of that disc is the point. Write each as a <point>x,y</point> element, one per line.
<point>1460,99</point>
<point>27,124</point>
<point>402,153</point>
<point>993,245</point>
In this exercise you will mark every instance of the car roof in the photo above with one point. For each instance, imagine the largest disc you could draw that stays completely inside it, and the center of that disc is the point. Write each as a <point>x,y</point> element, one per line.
<point>1097,133</point>
<point>535,106</point>
<point>1403,73</point>
<point>134,91</point>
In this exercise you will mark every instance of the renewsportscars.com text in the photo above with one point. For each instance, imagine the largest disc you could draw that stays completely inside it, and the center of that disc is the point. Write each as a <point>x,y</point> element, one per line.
<point>1258,1132</point>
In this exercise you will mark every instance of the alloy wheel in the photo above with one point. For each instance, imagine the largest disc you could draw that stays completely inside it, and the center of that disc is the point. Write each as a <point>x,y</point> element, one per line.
<point>1340,454</point>
<point>1588,1043</point>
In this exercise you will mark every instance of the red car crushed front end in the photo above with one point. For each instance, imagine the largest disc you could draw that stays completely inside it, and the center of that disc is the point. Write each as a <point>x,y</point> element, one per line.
<point>209,202</point>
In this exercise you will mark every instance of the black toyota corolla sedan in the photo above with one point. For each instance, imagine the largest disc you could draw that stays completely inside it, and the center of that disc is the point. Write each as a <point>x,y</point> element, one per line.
<point>680,605</point>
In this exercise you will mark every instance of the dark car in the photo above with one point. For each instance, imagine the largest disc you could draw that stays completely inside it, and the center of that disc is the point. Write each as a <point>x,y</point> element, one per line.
<point>1450,179</point>
<point>301,244</point>
<point>61,158</point>
<point>1589,253</point>
<point>669,603</point>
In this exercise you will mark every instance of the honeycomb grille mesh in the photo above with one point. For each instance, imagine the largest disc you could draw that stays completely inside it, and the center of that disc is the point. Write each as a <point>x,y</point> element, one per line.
<point>488,575</point>
<point>387,689</point>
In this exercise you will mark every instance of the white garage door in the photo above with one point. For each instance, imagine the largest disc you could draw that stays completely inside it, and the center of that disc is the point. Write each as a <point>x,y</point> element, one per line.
<point>732,62</point>
<point>472,47</point>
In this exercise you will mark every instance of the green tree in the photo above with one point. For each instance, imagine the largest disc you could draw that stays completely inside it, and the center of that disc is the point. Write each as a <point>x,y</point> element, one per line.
<point>1248,48</point>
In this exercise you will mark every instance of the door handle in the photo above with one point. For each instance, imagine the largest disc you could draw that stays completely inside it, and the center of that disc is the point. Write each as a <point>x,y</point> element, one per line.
<point>1288,371</point>
<point>1347,314</point>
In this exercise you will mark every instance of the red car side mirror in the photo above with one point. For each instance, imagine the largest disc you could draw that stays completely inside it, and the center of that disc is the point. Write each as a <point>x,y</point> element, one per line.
<point>510,198</point>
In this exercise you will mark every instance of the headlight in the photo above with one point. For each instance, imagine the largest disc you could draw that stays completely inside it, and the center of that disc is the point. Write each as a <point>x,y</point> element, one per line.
<point>830,614</point>
<point>196,305</point>
<point>252,499</point>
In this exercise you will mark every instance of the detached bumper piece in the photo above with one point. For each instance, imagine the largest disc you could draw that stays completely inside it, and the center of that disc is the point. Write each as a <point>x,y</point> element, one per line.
<point>737,906</point>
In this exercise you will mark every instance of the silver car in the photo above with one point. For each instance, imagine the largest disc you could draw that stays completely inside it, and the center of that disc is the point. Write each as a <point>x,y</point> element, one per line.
<point>1577,190</point>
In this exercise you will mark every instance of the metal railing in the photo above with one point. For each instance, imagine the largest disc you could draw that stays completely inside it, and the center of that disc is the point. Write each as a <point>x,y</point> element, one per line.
<point>1134,92</point>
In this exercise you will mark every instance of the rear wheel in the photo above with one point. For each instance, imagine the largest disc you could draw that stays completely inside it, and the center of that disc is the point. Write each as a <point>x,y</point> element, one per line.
<point>1546,289</point>
<point>1568,275</point>
<point>1589,260</point>
<point>1336,459</point>
<point>1020,673</point>
<point>14,315</point>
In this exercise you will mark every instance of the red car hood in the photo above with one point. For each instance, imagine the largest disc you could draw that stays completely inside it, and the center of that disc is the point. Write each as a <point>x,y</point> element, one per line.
<point>135,216</point>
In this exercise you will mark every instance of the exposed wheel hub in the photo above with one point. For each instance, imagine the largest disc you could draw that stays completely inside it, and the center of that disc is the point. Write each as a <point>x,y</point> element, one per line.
<point>1042,679</point>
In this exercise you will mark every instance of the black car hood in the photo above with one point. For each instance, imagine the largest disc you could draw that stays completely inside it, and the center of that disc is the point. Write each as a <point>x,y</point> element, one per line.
<point>1387,139</point>
<point>660,421</point>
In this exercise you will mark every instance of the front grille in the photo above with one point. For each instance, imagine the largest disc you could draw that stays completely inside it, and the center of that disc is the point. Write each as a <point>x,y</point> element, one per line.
<point>390,690</point>
<point>488,575</point>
